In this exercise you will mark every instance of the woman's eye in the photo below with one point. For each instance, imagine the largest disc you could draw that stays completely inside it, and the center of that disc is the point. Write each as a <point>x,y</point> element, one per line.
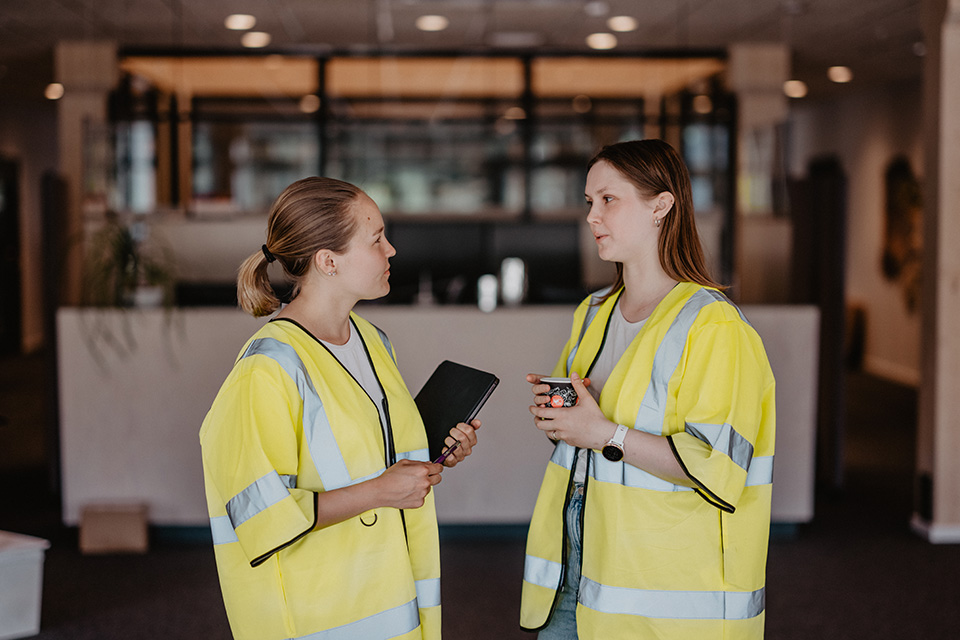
<point>607,198</point>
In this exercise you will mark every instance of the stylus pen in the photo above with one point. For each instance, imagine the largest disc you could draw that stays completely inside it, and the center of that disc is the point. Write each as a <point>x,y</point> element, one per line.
<point>449,450</point>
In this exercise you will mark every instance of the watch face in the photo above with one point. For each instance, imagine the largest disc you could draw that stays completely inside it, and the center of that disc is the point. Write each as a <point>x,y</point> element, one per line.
<point>612,453</point>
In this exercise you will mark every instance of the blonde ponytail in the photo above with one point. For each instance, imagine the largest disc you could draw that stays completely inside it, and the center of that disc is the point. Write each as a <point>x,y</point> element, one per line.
<point>255,294</point>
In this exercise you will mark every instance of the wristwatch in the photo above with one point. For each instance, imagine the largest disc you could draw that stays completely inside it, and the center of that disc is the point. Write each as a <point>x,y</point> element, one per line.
<point>613,450</point>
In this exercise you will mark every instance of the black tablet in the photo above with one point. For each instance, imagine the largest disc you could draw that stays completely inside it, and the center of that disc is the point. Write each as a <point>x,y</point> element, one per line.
<point>454,393</point>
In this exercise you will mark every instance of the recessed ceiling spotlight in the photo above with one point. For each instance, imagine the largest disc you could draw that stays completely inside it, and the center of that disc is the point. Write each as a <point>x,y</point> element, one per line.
<point>840,74</point>
<point>515,113</point>
<point>54,91</point>
<point>596,8</point>
<point>582,103</point>
<point>601,41</point>
<point>432,23</point>
<point>240,22</point>
<point>795,88</point>
<point>919,48</point>
<point>702,104</point>
<point>309,103</point>
<point>622,23</point>
<point>255,39</point>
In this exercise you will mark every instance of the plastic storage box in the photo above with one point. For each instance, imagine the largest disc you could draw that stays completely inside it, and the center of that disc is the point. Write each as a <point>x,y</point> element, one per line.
<point>21,584</point>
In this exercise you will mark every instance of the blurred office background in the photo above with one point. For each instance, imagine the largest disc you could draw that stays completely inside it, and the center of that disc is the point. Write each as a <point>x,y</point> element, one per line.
<point>143,141</point>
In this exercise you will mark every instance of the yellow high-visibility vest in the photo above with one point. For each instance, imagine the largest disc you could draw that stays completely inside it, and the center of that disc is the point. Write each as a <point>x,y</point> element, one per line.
<point>288,422</point>
<point>663,560</point>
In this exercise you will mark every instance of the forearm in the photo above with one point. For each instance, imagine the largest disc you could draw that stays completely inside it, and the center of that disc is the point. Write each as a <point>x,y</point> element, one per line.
<point>342,504</point>
<point>653,454</point>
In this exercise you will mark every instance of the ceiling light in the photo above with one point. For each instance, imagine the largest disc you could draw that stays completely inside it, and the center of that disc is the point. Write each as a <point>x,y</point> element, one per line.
<point>601,41</point>
<point>514,39</point>
<point>596,8</point>
<point>622,23</point>
<point>255,39</point>
<point>515,113</point>
<point>432,23</point>
<point>54,91</point>
<point>840,74</point>
<point>240,22</point>
<point>582,104</point>
<point>309,103</point>
<point>919,49</point>
<point>795,88</point>
<point>702,104</point>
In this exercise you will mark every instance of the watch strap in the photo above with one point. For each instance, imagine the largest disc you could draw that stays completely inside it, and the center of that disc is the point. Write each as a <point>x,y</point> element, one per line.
<point>620,434</point>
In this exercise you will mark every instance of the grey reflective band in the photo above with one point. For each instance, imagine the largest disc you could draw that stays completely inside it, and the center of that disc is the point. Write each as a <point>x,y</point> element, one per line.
<point>675,605</point>
<point>259,496</point>
<point>381,626</point>
<point>592,310</point>
<point>418,455</point>
<point>386,343</point>
<point>428,593</point>
<point>541,572</point>
<point>719,297</point>
<point>650,416</point>
<point>725,439</point>
<point>289,480</point>
<point>563,455</point>
<point>761,471</point>
<point>222,531</point>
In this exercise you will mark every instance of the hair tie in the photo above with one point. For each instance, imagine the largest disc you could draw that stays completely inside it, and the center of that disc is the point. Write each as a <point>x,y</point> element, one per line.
<point>266,254</point>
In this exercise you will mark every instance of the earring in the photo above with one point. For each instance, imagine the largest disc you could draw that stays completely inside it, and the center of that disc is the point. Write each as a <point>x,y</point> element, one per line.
<point>331,273</point>
<point>656,222</point>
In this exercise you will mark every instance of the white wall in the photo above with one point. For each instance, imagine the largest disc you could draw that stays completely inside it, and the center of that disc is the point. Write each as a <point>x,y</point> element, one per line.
<point>866,128</point>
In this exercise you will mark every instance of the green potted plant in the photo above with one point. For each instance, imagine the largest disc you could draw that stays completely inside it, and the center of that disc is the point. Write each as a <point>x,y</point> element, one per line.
<point>127,268</point>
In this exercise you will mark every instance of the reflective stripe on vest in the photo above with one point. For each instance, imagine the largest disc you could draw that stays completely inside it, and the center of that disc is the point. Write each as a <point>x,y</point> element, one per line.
<point>323,447</point>
<point>428,593</point>
<point>381,626</point>
<point>686,605</point>
<point>653,408</point>
<point>698,605</point>
<point>386,343</point>
<point>260,495</point>
<point>592,310</point>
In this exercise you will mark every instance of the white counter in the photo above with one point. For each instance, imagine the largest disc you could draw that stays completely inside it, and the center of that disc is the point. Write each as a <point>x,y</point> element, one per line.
<point>135,386</point>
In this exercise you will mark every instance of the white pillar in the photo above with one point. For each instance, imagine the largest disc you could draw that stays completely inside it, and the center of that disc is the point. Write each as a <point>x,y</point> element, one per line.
<point>937,512</point>
<point>88,72</point>
<point>756,72</point>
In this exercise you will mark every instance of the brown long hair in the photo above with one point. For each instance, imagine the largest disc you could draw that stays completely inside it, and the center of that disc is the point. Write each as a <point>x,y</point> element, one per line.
<point>653,166</point>
<point>311,214</point>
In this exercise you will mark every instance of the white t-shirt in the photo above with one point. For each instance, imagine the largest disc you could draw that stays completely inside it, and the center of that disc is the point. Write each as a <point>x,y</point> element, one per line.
<point>354,358</point>
<point>620,334</point>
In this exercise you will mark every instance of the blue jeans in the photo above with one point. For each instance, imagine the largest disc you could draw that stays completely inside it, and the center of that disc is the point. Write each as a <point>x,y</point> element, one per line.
<point>563,623</point>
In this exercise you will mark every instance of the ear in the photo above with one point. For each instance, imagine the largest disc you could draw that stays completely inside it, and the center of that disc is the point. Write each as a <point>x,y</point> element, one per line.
<point>325,260</point>
<point>664,204</point>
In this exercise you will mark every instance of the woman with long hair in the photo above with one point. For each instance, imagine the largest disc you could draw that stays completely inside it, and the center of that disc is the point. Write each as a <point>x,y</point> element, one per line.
<point>315,458</point>
<point>654,513</point>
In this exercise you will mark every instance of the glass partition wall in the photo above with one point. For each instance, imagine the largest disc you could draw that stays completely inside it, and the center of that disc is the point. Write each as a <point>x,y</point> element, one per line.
<point>472,159</point>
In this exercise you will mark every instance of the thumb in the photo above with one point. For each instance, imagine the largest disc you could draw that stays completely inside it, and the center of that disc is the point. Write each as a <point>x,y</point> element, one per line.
<point>578,385</point>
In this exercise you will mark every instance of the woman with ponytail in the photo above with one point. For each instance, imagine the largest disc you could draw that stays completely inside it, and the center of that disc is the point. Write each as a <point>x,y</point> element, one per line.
<point>654,512</point>
<point>317,475</point>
